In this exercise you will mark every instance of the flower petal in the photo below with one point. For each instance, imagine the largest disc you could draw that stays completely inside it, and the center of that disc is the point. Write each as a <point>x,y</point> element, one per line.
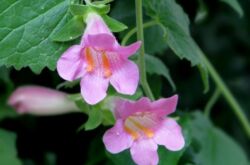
<point>102,41</point>
<point>125,78</point>
<point>144,152</point>
<point>93,88</point>
<point>116,139</point>
<point>127,51</point>
<point>70,66</point>
<point>165,106</point>
<point>38,100</point>
<point>125,108</point>
<point>170,135</point>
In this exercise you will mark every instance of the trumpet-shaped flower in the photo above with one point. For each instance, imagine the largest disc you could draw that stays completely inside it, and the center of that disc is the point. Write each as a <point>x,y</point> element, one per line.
<point>39,100</point>
<point>98,60</point>
<point>141,126</point>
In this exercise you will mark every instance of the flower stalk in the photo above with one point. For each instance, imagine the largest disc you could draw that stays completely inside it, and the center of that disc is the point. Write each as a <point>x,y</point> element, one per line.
<point>141,59</point>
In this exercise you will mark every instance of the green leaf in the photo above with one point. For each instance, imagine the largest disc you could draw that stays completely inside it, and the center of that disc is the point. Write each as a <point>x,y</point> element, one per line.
<point>8,153</point>
<point>94,120</point>
<point>113,24</point>
<point>26,28</point>
<point>156,66</point>
<point>108,118</point>
<point>235,5</point>
<point>214,146</point>
<point>7,112</point>
<point>154,40</point>
<point>72,30</point>
<point>176,25</point>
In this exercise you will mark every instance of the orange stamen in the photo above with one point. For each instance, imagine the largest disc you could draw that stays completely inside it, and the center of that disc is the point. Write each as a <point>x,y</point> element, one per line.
<point>106,65</point>
<point>90,60</point>
<point>134,134</point>
<point>148,132</point>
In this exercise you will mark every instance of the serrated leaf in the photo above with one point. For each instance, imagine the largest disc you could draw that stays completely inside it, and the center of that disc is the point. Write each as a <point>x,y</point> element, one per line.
<point>235,5</point>
<point>156,66</point>
<point>176,25</point>
<point>26,28</point>
<point>8,153</point>
<point>215,146</point>
<point>70,31</point>
<point>113,24</point>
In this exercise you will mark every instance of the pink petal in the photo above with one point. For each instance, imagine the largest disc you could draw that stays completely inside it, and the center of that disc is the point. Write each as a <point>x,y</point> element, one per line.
<point>102,41</point>
<point>93,88</point>
<point>116,139</point>
<point>125,78</point>
<point>125,108</point>
<point>144,152</point>
<point>165,106</point>
<point>38,100</point>
<point>170,135</point>
<point>70,65</point>
<point>126,51</point>
<point>96,25</point>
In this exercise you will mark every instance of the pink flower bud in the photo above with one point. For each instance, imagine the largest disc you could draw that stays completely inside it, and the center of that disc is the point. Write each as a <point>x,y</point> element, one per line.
<point>39,100</point>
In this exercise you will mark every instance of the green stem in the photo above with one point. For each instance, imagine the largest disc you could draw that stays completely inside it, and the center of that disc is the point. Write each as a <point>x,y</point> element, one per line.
<point>228,95</point>
<point>212,101</point>
<point>134,30</point>
<point>141,60</point>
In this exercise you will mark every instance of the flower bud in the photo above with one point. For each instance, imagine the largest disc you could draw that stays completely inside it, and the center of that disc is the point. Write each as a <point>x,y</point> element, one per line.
<point>39,100</point>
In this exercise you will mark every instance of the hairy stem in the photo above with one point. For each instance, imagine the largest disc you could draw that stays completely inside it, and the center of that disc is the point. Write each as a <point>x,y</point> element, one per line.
<point>141,59</point>
<point>228,95</point>
<point>212,101</point>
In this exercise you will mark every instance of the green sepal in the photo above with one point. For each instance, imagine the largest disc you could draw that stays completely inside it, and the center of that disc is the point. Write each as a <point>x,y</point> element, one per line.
<point>104,2</point>
<point>79,10</point>
<point>83,10</point>
<point>70,31</point>
<point>114,25</point>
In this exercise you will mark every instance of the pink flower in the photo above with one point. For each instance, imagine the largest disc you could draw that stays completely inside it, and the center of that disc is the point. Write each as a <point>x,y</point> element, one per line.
<point>141,126</point>
<point>38,100</point>
<point>98,60</point>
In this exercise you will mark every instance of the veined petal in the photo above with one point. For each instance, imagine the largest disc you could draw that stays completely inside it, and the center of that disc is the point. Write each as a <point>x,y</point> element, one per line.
<point>93,88</point>
<point>70,65</point>
<point>165,106</point>
<point>116,139</point>
<point>95,26</point>
<point>103,41</point>
<point>170,135</point>
<point>144,152</point>
<point>127,51</point>
<point>125,78</point>
<point>125,108</point>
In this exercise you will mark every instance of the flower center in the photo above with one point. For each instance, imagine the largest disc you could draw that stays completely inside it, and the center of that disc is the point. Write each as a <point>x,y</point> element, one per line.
<point>97,59</point>
<point>139,125</point>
